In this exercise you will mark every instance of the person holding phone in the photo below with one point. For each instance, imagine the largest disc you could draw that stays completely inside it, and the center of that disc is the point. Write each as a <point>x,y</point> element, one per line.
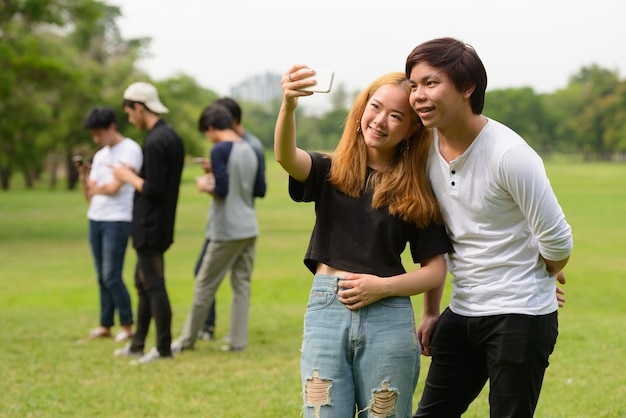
<point>154,213</point>
<point>360,353</point>
<point>207,333</point>
<point>238,178</point>
<point>510,237</point>
<point>110,215</point>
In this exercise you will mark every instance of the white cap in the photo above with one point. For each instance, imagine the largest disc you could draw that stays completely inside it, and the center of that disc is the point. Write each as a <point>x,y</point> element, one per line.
<point>147,94</point>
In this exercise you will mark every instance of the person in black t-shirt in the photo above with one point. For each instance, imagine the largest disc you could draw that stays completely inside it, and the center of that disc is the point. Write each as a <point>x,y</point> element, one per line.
<point>154,211</point>
<point>360,350</point>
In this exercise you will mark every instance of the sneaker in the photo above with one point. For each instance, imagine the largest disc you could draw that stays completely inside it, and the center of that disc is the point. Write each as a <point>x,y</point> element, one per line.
<point>123,335</point>
<point>206,335</point>
<point>229,348</point>
<point>177,347</point>
<point>151,356</point>
<point>99,333</point>
<point>125,352</point>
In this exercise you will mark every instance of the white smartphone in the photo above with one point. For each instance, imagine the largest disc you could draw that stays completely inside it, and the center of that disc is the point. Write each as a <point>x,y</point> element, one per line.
<point>324,80</point>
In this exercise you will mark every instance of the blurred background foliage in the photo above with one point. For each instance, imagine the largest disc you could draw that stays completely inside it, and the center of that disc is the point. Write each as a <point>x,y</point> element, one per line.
<point>59,58</point>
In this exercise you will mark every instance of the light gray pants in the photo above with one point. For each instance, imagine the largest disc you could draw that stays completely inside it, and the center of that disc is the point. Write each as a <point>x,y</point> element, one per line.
<point>220,257</point>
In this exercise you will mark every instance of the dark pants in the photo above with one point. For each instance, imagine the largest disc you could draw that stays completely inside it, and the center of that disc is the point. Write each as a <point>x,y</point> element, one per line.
<point>153,302</point>
<point>510,350</point>
<point>209,323</point>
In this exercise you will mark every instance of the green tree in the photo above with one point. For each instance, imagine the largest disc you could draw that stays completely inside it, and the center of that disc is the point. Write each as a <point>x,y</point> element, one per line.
<point>103,63</point>
<point>525,112</point>
<point>260,119</point>
<point>60,57</point>
<point>27,68</point>
<point>185,100</point>
<point>614,119</point>
<point>587,110</point>
<point>331,126</point>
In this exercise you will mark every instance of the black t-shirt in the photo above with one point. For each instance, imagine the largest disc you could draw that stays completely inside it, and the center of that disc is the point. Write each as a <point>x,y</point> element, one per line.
<point>349,234</point>
<point>154,209</point>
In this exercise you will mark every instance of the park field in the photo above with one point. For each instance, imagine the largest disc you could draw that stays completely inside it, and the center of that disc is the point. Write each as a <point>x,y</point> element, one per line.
<point>48,303</point>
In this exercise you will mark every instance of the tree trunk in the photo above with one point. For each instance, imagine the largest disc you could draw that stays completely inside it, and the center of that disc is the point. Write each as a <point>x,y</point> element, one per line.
<point>5,176</point>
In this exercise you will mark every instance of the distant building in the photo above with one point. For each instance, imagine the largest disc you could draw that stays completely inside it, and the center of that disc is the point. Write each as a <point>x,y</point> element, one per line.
<point>262,88</point>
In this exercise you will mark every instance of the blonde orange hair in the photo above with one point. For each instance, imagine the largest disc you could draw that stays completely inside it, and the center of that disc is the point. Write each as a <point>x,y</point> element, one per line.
<point>402,186</point>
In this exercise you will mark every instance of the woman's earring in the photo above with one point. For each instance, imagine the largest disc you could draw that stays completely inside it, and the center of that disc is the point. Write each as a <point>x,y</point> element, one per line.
<point>358,127</point>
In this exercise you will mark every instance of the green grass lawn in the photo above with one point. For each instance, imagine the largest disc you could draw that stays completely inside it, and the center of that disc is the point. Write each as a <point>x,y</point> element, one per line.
<point>48,303</point>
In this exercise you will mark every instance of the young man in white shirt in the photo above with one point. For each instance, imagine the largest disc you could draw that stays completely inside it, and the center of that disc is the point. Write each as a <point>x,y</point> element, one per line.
<point>510,240</point>
<point>110,216</point>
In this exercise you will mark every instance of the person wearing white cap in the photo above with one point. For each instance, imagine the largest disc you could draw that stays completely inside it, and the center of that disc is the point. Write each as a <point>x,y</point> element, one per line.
<point>154,211</point>
<point>146,94</point>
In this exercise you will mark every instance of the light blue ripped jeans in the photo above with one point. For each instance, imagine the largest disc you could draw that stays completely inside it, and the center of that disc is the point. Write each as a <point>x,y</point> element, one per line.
<point>361,363</point>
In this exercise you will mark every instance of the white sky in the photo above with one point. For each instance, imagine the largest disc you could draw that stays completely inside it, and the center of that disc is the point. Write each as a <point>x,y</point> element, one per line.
<point>536,43</point>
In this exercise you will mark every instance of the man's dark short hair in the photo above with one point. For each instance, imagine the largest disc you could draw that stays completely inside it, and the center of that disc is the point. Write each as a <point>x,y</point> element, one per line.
<point>131,103</point>
<point>459,61</point>
<point>232,106</point>
<point>217,116</point>
<point>100,118</point>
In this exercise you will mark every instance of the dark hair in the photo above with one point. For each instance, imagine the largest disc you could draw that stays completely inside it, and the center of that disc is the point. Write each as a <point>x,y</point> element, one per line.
<point>217,116</point>
<point>100,118</point>
<point>459,61</point>
<point>232,106</point>
<point>130,103</point>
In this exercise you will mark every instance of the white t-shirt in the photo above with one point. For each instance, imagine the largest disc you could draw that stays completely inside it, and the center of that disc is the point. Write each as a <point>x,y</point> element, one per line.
<point>117,207</point>
<point>501,214</point>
